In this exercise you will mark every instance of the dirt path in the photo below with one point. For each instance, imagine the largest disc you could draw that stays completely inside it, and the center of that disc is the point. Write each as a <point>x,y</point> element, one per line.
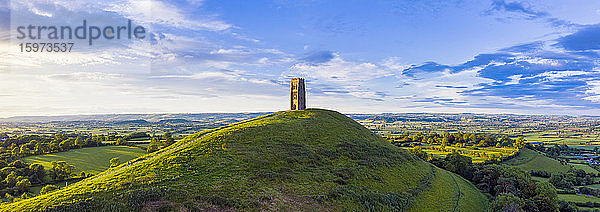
<point>459,194</point>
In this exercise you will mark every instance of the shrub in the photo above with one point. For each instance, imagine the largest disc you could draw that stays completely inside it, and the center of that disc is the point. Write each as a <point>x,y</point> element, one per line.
<point>114,162</point>
<point>47,189</point>
<point>507,202</point>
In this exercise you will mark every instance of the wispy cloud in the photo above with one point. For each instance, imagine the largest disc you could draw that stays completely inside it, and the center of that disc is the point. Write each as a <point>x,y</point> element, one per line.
<point>518,9</point>
<point>587,38</point>
<point>151,12</point>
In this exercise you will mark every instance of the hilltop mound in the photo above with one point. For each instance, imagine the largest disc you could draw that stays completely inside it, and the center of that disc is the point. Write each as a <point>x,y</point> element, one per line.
<point>531,160</point>
<point>295,160</point>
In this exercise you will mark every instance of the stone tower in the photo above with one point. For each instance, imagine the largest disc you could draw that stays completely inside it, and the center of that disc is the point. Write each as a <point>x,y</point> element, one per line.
<point>297,94</point>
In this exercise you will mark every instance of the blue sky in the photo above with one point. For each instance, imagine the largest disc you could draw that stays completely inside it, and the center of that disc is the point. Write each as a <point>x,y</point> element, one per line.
<point>496,56</point>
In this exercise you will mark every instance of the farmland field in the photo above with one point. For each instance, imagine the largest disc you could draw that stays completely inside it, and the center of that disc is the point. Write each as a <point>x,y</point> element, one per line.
<point>91,160</point>
<point>578,198</point>
<point>585,168</point>
<point>471,152</point>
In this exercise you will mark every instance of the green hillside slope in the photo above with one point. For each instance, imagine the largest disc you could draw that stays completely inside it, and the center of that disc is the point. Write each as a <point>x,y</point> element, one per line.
<point>529,160</point>
<point>295,160</point>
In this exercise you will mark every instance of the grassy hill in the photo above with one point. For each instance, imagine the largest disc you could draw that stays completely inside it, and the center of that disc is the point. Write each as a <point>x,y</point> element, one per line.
<point>90,160</point>
<point>532,160</point>
<point>295,160</point>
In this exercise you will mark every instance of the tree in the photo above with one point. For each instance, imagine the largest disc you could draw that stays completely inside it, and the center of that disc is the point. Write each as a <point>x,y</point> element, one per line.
<point>23,185</point>
<point>507,202</point>
<point>15,152</point>
<point>457,163</point>
<point>8,197</point>
<point>114,162</point>
<point>24,151</point>
<point>519,142</point>
<point>418,151</point>
<point>65,145</point>
<point>19,164</point>
<point>7,170</point>
<point>61,170</point>
<point>79,142</point>
<point>562,181</point>
<point>11,179</point>
<point>154,145</point>
<point>546,197</point>
<point>168,139</point>
<point>47,189</point>
<point>24,196</point>
<point>53,147</point>
<point>37,172</point>
<point>430,141</point>
<point>39,149</point>
<point>121,142</point>
<point>565,206</point>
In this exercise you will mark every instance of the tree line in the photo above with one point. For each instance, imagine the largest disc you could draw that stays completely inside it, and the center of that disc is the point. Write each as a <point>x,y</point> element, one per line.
<point>446,139</point>
<point>17,178</point>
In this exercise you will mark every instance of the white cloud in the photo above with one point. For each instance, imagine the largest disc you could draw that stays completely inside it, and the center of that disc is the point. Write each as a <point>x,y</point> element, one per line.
<point>233,76</point>
<point>86,76</point>
<point>514,79</point>
<point>539,61</point>
<point>157,12</point>
<point>394,63</point>
<point>338,70</point>
<point>593,91</point>
<point>230,52</point>
<point>442,85</point>
<point>557,75</point>
<point>41,13</point>
<point>146,12</point>
<point>546,76</point>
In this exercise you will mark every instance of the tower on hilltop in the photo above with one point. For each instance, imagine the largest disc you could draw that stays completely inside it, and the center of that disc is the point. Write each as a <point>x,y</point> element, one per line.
<point>297,94</point>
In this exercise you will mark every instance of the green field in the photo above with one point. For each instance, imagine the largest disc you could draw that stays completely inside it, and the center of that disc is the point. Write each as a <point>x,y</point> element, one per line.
<point>578,198</point>
<point>594,186</point>
<point>576,140</point>
<point>468,151</point>
<point>529,160</point>
<point>314,160</point>
<point>585,168</point>
<point>90,160</point>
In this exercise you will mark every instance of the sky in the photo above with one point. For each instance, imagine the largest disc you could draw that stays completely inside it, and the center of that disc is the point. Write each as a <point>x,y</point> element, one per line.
<point>451,56</point>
